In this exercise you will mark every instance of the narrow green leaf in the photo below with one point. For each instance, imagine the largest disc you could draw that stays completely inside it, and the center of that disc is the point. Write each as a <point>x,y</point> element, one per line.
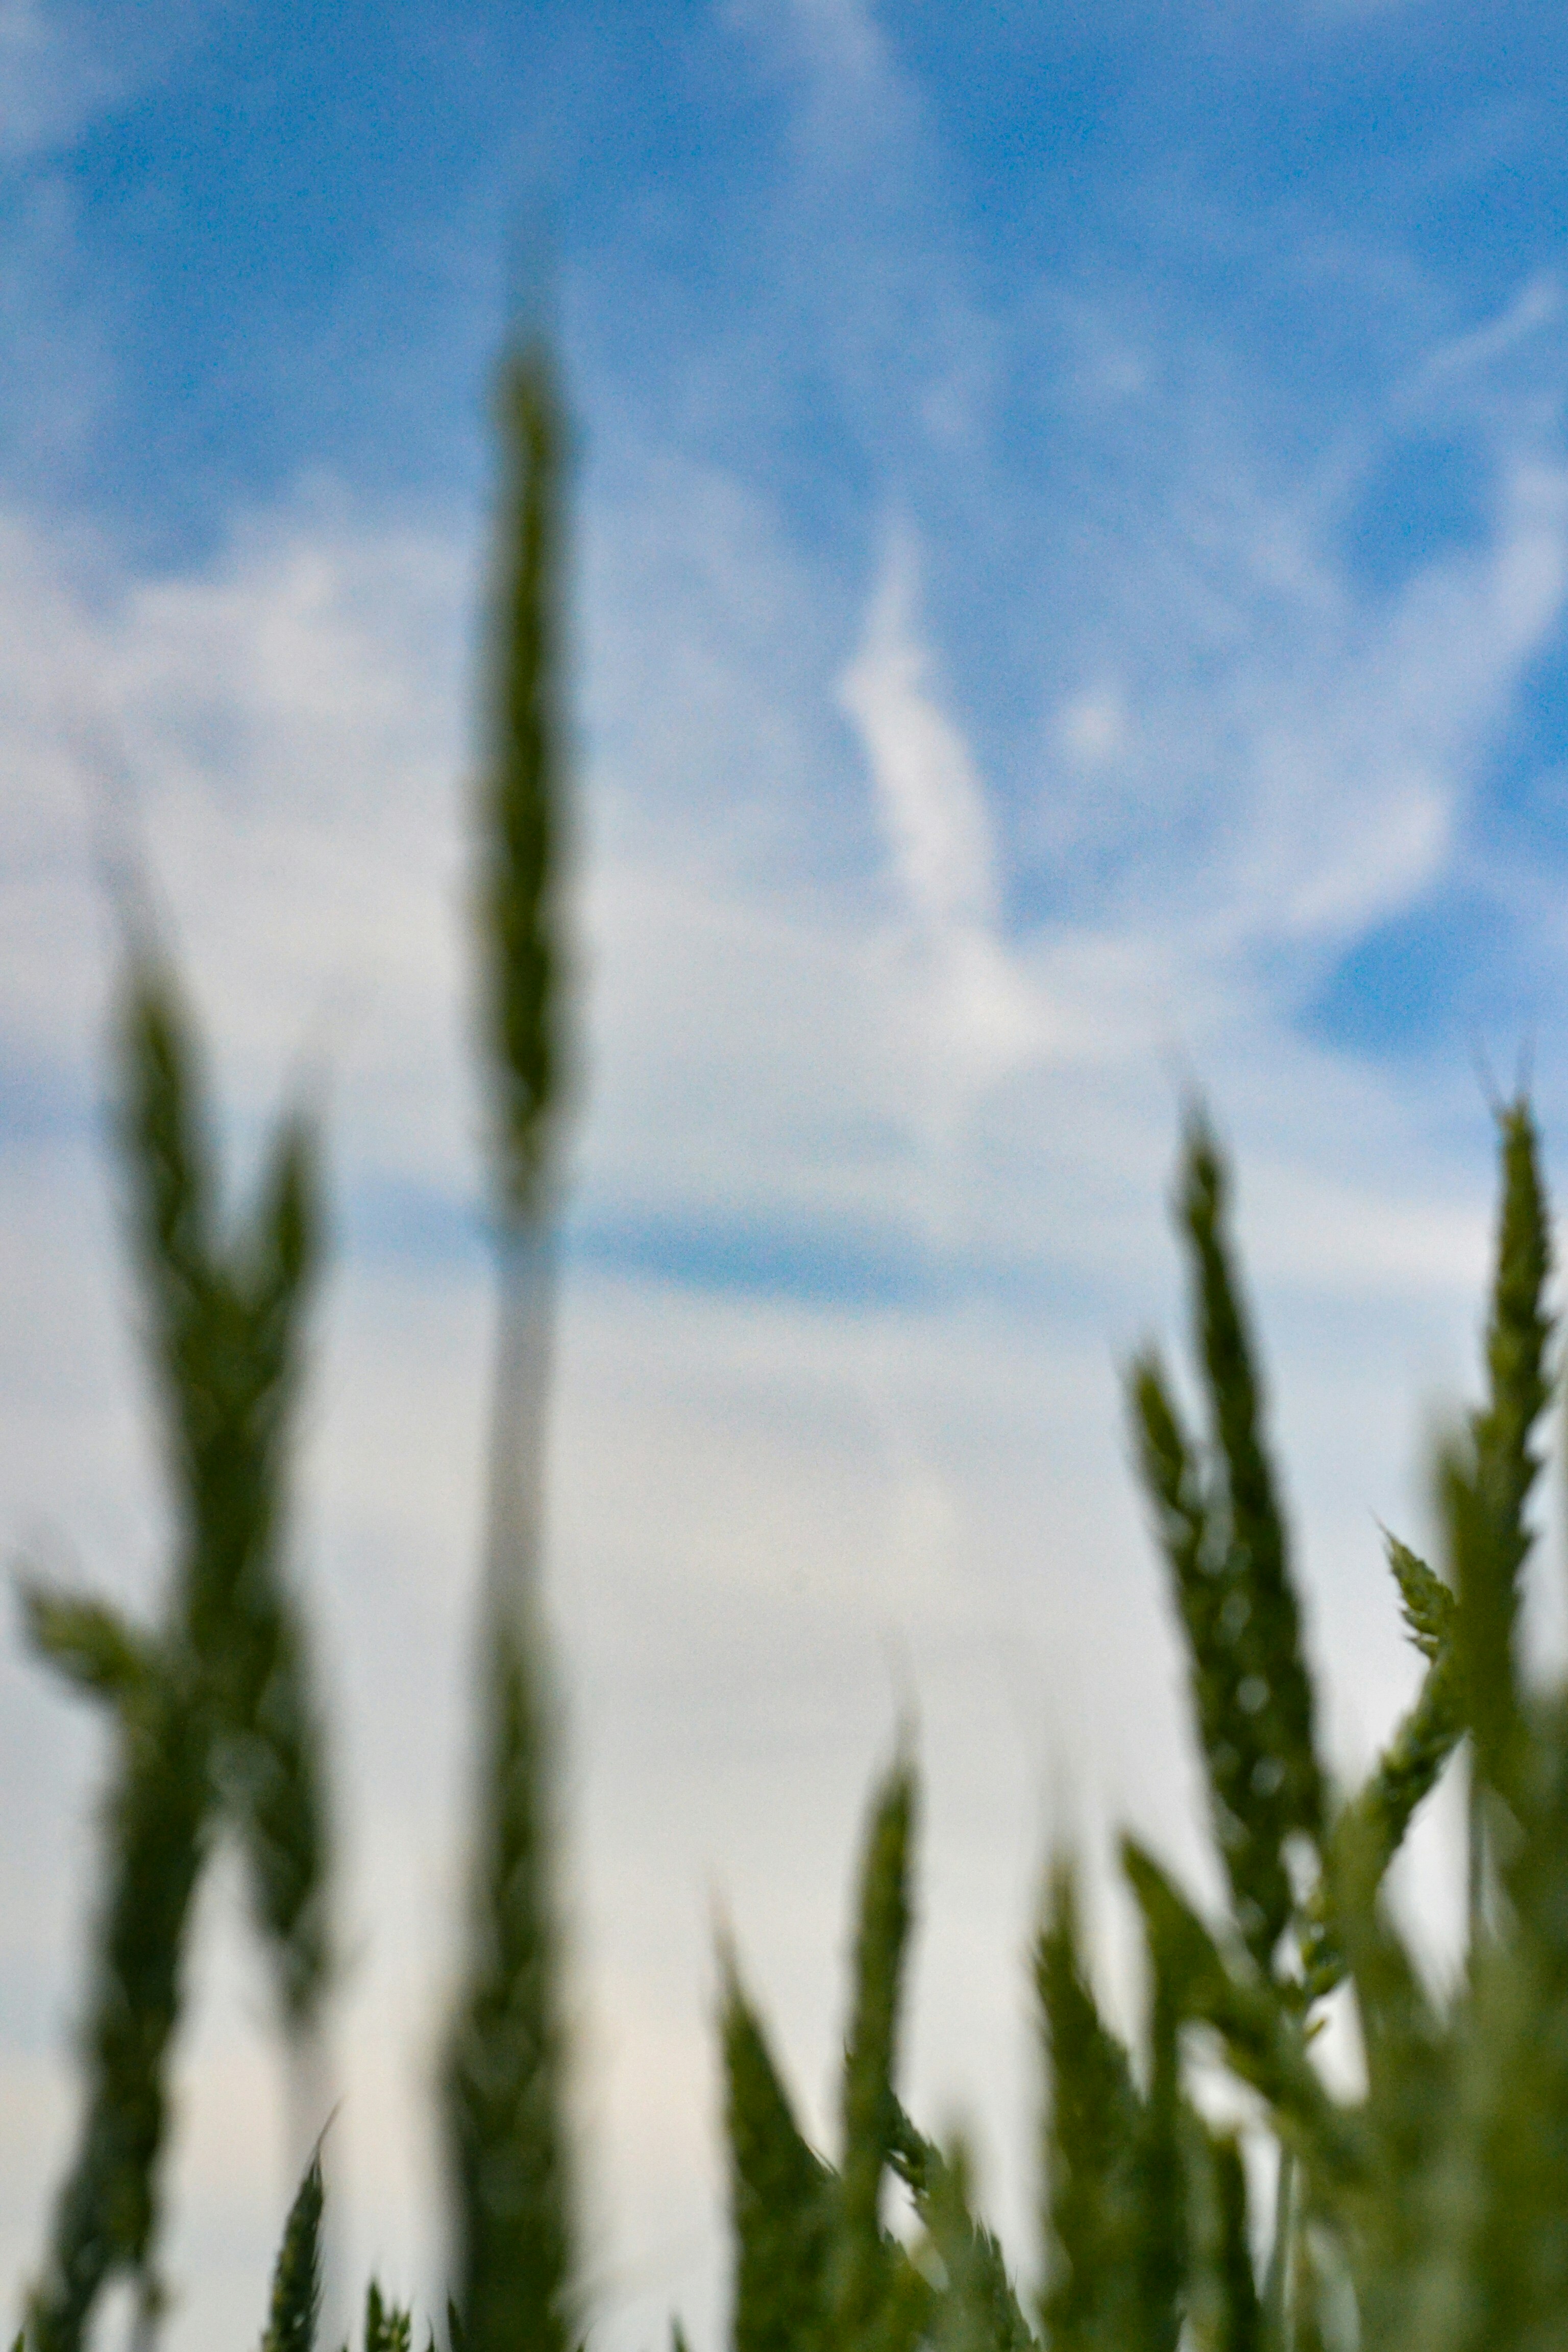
<point>273,1776</point>
<point>781,2202</point>
<point>271,1763</point>
<point>860,2280</point>
<point>1256,2019</point>
<point>1224,2310</point>
<point>980,2307</point>
<point>1094,2131</point>
<point>284,1249</point>
<point>1377,1818</point>
<point>297,2277</point>
<point>164,1148</point>
<point>155,1837</point>
<point>1310,2288</point>
<point>1489,2273</point>
<point>1160,2264</point>
<point>89,1643</point>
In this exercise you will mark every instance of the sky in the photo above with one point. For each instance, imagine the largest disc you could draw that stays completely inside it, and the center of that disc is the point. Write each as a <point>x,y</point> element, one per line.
<point>1070,535</point>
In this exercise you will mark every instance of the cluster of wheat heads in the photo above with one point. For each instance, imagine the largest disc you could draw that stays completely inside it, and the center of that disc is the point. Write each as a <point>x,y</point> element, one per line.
<point>1430,2215</point>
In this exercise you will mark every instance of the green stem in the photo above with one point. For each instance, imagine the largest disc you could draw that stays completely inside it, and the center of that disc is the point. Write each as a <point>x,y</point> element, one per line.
<point>1476,1856</point>
<point>1277,2284</point>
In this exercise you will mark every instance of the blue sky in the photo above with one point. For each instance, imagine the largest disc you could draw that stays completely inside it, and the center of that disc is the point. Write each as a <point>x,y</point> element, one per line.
<point>1071,549</point>
<point>904,264</point>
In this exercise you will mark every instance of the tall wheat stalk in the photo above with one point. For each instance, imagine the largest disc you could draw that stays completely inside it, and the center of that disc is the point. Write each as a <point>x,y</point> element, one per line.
<point>214,1711</point>
<point>512,2246</point>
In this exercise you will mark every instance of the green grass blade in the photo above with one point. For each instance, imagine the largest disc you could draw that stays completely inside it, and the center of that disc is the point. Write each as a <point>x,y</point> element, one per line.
<point>296,2275</point>
<point>1376,1820</point>
<point>271,1763</point>
<point>1094,2127</point>
<point>860,2280</point>
<point>226,1337</point>
<point>274,1792</point>
<point>107,2212</point>
<point>274,1267</point>
<point>164,1148</point>
<point>1160,2255</point>
<point>1496,2264</point>
<point>1383,1808</point>
<point>781,2196</point>
<point>239,1369</point>
<point>979,2306</point>
<point>1408,2115</point>
<point>1224,2313</point>
<point>1256,2021</point>
<point>89,1643</point>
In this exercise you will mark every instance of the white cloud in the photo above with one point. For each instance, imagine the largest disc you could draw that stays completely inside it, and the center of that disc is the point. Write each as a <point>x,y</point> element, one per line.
<point>273,746</point>
<point>1242,751</point>
<point>63,65</point>
<point>839,41</point>
<point>979,1017</point>
<point>930,796</point>
<point>1537,304</point>
<point>49,84</point>
<point>1092,726</point>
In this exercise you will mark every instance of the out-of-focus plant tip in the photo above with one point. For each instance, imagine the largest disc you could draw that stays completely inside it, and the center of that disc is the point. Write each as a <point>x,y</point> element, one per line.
<point>1429,2214</point>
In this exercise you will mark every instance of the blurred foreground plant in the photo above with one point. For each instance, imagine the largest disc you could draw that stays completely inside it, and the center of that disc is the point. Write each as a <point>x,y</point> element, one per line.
<point>214,1711</point>
<point>1428,2214</point>
<point>509,2172</point>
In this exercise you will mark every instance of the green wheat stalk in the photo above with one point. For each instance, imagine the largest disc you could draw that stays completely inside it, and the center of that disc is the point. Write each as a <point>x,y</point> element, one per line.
<point>1223,1535</point>
<point>212,1715</point>
<point>510,2196</point>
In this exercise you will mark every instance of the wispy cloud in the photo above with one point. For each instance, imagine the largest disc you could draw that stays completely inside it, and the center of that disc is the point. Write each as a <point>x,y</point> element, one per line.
<point>978,1013</point>
<point>1537,305</point>
<point>62,66</point>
